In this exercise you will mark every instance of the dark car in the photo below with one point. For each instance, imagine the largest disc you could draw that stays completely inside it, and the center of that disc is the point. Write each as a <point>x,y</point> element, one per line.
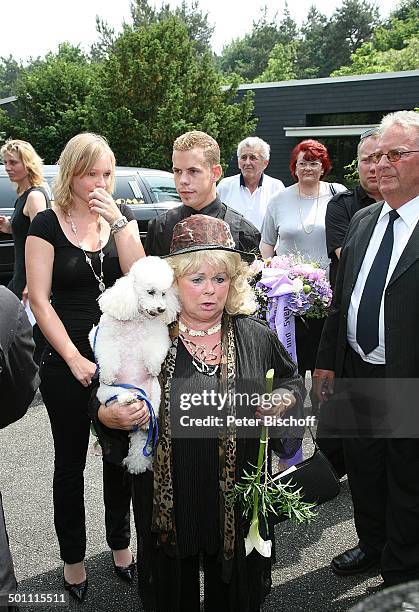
<point>147,192</point>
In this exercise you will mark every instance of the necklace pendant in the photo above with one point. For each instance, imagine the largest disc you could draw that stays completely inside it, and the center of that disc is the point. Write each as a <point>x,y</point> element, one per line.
<point>101,256</point>
<point>102,286</point>
<point>204,368</point>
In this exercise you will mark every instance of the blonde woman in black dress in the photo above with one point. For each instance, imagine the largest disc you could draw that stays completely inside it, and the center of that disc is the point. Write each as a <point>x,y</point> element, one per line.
<point>24,167</point>
<point>74,251</point>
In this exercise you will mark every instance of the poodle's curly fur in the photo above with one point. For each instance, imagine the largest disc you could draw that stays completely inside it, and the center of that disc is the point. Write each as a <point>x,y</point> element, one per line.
<point>132,341</point>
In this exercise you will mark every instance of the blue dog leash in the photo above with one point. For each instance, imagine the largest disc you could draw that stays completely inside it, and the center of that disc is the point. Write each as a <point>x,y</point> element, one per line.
<point>96,374</point>
<point>153,429</point>
<point>140,394</point>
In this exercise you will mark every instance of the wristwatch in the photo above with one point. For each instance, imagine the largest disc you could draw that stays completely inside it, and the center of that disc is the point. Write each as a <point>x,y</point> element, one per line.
<point>118,225</point>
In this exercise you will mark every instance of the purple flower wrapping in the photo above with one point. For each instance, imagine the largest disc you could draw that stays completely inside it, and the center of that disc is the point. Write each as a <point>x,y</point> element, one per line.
<point>304,283</point>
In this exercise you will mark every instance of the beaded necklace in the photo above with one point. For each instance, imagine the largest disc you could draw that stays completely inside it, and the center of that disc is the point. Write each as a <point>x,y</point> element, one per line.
<point>199,332</point>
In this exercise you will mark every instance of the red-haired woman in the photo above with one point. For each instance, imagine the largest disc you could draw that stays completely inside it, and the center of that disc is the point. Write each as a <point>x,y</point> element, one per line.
<point>294,224</point>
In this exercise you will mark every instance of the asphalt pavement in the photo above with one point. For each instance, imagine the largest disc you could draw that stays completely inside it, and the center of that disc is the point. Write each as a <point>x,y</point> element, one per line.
<point>302,579</point>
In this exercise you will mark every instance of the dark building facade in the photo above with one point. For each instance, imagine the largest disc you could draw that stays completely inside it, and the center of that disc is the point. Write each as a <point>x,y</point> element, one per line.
<point>334,111</point>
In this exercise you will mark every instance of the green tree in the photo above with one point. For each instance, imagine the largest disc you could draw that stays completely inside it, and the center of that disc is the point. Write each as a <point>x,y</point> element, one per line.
<point>311,47</point>
<point>154,86</point>
<point>199,29</point>
<point>351,25</point>
<point>393,47</point>
<point>9,73</point>
<point>281,65</point>
<point>403,10</point>
<point>402,25</point>
<point>248,57</point>
<point>100,49</point>
<point>51,96</point>
<point>368,60</point>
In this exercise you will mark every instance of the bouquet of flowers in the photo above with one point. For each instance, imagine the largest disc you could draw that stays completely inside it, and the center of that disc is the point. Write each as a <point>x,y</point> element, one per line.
<point>288,287</point>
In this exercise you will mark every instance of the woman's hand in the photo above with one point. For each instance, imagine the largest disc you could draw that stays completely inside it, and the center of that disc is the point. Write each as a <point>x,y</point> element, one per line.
<point>124,416</point>
<point>5,225</point>
<point>82,369</point>
<point>323,384</point>
<point>100,201</point>
<point>278,403</point>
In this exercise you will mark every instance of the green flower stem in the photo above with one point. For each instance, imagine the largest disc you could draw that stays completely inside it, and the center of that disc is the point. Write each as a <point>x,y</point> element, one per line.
<point>263,448</point>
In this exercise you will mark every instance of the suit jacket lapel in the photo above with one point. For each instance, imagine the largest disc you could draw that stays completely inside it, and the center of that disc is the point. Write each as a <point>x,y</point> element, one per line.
<point>408,257</point>
<point>362,239</point>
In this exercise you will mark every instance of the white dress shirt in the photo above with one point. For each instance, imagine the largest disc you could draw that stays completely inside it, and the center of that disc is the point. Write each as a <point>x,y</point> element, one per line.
<point>403,228</point>
<point>233,192</point>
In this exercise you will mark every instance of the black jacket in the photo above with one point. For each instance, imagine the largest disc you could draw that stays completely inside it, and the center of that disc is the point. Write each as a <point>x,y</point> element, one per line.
<point>160,229</point>
<point>340,210</point>
<point>18,371</point>
<point>18,383</point>
<point>401,301</point>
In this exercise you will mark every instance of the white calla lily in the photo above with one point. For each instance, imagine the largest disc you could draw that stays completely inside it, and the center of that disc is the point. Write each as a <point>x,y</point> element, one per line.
<point>268,494</point>
<point>254,540</point>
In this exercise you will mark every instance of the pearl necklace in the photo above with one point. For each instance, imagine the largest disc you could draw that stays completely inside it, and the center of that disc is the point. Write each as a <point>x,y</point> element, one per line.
<point>100,278</point>
<point>306,230</point>
<point>199,332</point>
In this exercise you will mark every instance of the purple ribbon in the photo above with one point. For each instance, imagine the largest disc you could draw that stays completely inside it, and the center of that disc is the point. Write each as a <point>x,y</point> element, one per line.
<point>279,317</point>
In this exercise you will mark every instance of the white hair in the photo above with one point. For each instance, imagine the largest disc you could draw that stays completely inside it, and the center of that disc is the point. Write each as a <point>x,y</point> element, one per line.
<point>255,141</point>
<point>404,119</point>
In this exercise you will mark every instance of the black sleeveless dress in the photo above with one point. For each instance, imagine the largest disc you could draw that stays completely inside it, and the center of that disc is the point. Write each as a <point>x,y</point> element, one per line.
<point>20,226</point>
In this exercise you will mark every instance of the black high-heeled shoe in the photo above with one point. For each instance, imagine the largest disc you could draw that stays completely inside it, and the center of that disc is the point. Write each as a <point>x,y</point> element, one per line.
<point>77,591</point>
<point>126,573</point>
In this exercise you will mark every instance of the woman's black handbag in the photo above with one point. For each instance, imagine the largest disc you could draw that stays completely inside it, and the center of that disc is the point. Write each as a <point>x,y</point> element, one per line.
<point>315,477</point>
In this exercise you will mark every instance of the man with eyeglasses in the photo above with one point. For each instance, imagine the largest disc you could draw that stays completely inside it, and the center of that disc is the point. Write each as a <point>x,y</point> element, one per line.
<point>371,338</point>
<point>250,191</point>
<point>342,207</point>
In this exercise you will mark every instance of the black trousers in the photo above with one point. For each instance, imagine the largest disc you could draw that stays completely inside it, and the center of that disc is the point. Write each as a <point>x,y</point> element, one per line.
<point>66,401</point>
<point>170,584</point>
<point>308,333</point>
<point>382,474</point>
<point>7,575</point>
<point>307,337</point>
<point>216,592</point>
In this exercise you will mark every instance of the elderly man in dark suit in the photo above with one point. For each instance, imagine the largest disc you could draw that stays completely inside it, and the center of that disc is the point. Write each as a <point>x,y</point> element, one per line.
<point>373,333</point>
<point>18,383</point>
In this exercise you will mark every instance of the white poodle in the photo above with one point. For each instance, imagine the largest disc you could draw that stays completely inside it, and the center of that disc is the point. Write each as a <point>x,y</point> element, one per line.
<point>131,342</point>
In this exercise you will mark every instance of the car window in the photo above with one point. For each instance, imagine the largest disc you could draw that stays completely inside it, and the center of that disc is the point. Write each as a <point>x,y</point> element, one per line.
<point>163,187</point>
<point>8,193</point>
<point>48,186</point>
<point>127,191</point>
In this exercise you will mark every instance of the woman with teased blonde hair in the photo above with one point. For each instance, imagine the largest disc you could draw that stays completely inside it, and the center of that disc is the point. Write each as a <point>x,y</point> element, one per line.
<point>183,510</point>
